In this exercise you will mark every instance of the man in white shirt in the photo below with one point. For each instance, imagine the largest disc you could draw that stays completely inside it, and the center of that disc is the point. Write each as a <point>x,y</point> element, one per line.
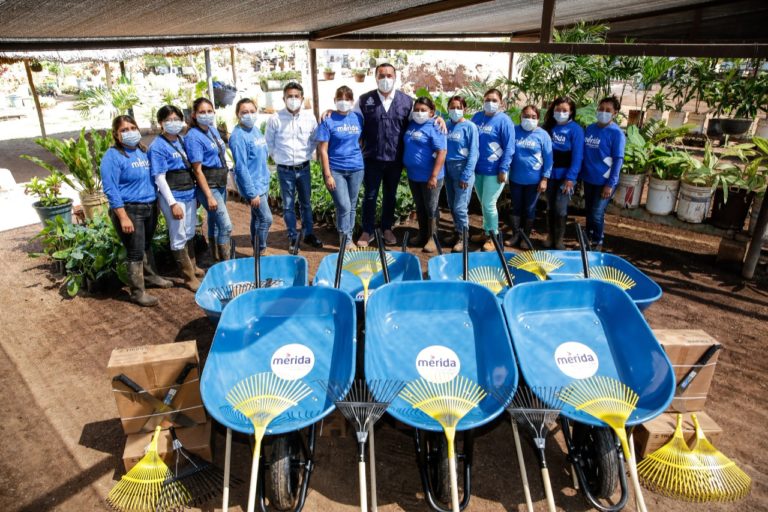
<point>290,140</point>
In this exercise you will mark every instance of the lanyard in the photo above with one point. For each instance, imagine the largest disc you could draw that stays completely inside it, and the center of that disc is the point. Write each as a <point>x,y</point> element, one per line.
<point>180,149</point>
<point>223,159</point>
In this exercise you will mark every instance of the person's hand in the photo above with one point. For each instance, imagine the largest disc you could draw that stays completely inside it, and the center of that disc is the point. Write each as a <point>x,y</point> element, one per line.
<point>440,123</point>
<point>568,188</point>
<point>543,185</point>
<point>177,211</point>
<point>126,225</point>
<point>432,183</point>
<point>326,114</point>
<point>212,204</point>
<point>606,192</point>
<point>463,185</point>
<point>330,183</point>
<point>255,202</point>
<point>502,177</point>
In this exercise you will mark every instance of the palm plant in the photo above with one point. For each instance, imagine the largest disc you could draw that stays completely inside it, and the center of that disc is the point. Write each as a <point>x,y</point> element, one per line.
<point>108,102</point>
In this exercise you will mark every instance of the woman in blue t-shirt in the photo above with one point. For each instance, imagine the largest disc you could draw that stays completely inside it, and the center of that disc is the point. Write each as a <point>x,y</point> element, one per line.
<point>567,151</point>
<point>132,205</point>
<point>338,137</point>
<point>206,153</point>
<point>172,174</point>
<point>249,151</point>
<point>460,166</point>
<point>425,147</point>
<point>531,167</point>
<point>603,157</point>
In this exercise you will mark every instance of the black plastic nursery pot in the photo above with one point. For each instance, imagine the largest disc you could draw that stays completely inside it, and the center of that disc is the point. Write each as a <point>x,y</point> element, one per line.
<point>735,127</point>
<point>715,127</point>
<point>731,214</point>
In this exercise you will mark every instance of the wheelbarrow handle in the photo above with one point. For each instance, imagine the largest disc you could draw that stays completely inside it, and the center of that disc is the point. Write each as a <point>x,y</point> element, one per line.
<point>500,254</point>
<point>465,253</point>
<point>382,254</point>
<point>340,261</point>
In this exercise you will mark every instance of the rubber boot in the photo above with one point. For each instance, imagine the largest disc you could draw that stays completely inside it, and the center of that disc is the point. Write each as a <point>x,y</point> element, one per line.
<point>421,237</point>
<point>514,240</point>
<point>223,250</point>
<point>193,258</point>
<point>560,223</point>
<point>136,283</point>
<point>214,249</point>
<point>187,269</point>
<point>527,228</point>
<point>552,228</point>
<point>151,277</point>
<point>430,246</point>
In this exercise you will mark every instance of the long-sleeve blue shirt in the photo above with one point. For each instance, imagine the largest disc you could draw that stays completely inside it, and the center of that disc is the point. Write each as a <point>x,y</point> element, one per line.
<point>422,141</point>
<point>532,160</point>
<point>249,151</point>
<point>166,156</point>
<point>202,147</point>
<point>568,138</point>
<point>603,154</point>
<point>125,178</point>
<point>497,143</point>
<point>463,144</point>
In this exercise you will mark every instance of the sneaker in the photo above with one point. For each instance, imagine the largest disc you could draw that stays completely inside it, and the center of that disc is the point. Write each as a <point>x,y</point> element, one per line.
<point>389,237</point>
<point>313,241</point>
<point>364,239</point>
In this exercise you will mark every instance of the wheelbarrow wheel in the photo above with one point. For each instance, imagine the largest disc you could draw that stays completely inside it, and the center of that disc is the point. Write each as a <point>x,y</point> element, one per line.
<point>437,447</point>
<point>597,447</point>
<point>283,474</point>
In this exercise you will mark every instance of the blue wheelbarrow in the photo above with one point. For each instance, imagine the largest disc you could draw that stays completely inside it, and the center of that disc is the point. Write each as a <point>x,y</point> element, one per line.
<point>564,331</point>
<point>296,333</point>
<point>403,344</point>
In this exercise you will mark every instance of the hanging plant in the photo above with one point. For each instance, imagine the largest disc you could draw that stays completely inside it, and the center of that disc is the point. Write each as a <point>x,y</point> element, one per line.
<point>36,66</point>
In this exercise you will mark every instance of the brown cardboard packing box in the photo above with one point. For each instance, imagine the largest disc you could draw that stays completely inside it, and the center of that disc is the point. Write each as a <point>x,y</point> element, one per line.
<point>196,440</point>
<point>652,435</point>
<point>684,347</point>
<point>156,368</point>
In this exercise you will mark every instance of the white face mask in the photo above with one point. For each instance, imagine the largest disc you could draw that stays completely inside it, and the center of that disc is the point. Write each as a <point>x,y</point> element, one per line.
<point>248,120</point>
<point>529,124</point>
<point>386,85</point>
<point>343,105</point>
<point>131,138</point>
<point>562,117</point>
<point>206,119</point>
<point>421,117</point>
<point>173,127</point>
<point>491,107</point>
<point>455,114</point>
<point>293,104</point>
<point>604,117</point>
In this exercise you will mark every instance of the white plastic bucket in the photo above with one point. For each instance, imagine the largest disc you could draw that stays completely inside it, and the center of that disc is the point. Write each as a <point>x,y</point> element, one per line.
<point>662,196</point>
<point>693,203</point>
<point>654,114</point>
<point>629,190</point>
<point>676,119</point>
<point>697,121</point>
<point>762,128</point>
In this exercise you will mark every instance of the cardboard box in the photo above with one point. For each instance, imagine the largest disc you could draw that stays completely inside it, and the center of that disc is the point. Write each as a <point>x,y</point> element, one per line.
<point>196,440</point>
<point>684,347</point>
<point>654,434</point>
<point>155,368</point>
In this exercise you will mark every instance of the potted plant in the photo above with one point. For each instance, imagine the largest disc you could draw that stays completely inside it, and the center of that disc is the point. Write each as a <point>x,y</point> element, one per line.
<point>360,75</point>
<point>633,171</point>
<point>652,70</point>
<point>702,74</point>
<point>666,167</point>
<point>82,160</point>
<point>655,107</point>
<point>680,87</point>
<point>758,166</point>
<point>276,80</point>
<point>328,73</point>
<point>49,204</point>
<point>738,97</point>
<point>737,182</point>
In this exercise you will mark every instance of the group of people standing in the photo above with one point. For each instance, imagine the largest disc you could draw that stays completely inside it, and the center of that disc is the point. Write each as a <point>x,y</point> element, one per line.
<point>364,143</point>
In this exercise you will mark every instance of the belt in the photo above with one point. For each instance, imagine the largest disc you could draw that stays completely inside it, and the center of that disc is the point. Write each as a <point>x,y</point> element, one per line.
<point>294,167</point>
<point>138,204</point>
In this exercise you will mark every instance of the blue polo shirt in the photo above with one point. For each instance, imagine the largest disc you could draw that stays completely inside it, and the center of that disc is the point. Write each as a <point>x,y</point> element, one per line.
<point>342,133</point>
<point>126,178</point>
<point>422,141</point>
<point>603,154</point>
<point>569,138</point>
<point>201,147</point>
<point>166,156</point>
<point>497,143</point>
<point>532,160</point>
<point>249,151</point>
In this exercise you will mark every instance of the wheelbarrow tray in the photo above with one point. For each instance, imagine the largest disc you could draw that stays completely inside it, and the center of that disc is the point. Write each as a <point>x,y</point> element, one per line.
<point>258,323</point>
<point>404,318</point>
<point>644,293</point>
<point>292,270</point>
<point>450,267</point>
<point>598,315</point>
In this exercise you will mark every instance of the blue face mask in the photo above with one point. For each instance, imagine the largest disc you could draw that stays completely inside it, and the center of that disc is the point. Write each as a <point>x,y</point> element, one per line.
<point>604,117</point>
<point>248,120</point>
<point>491,107</point>
<point>455,114</point>
<point>562,117</point>
<point>206,119</point>
<point>130,139</point>
<point>529,124</point>
<point>173,127</point>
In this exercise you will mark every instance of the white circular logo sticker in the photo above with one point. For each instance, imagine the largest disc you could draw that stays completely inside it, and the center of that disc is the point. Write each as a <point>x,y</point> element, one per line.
<point>438,364</point>
<point>576,360</point>
<point>293,361</point>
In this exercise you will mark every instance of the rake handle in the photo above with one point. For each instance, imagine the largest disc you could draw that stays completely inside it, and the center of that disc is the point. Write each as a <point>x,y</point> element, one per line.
<point>227,464</point>
<point>452,471</point>
<point>548,490</point>
<point>340,261</point>
<point>363,486</point>
<point>500,254</point>
<point>521,464</point>
<point>259,433</point>
<point>257,260</point>
<point>372,458</point>
<point>406,236</point>
<point>581,238</point>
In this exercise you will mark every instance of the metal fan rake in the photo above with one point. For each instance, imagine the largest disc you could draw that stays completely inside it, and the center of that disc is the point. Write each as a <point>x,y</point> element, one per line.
<point>539,263</point>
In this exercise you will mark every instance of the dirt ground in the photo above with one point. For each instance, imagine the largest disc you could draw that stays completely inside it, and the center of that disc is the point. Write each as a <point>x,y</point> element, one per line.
<point>61,442</point>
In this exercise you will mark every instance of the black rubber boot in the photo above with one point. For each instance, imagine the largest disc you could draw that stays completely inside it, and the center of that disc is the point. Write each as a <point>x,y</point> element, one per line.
<point>187,269</point>
<point>560,223</point>
<point>514,240</point>
<point>136,283</point>
<point>151,277</point>
<point>552,228</point>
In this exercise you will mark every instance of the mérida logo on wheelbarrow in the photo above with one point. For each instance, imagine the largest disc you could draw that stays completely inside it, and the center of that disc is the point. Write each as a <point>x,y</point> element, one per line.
<point>292,361</point>
<point>576,360</point>
<point>438,363</point>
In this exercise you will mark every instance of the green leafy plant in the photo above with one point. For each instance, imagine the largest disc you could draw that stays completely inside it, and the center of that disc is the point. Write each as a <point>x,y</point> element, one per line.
<point>328,69</point>
<point>81,158</point>
<point>103,102</point>
<point>658,132</point>
<point>636,152</point>
<point>284,75</point>
<point>360,71</point>
<point>715,170</point>
<point>668,164</point>
<point>47,190</point>
<point>657,101</point>
<point>736,95</point>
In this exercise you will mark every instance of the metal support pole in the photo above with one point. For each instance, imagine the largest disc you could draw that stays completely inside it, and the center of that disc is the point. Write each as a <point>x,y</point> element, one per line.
<point>313,74</point>
<point>208,73</point>
<point>756,245</point>
<point>35,97</point>
<point>232,60</point>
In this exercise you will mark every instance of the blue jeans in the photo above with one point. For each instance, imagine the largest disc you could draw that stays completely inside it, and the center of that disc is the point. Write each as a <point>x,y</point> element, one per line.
<point>524,199</point>
<point>261,220</point>
<point>293,181</point>
<point>557,202</point>
<point>219,225</point>
<point>595,206</point>
<point>345,199</point>
<point>377,172</point>
<point>458,198</point>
